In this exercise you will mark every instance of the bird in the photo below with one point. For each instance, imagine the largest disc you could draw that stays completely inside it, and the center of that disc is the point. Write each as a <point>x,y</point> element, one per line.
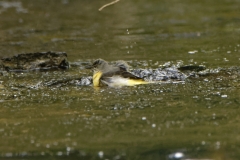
<point>116,75</point>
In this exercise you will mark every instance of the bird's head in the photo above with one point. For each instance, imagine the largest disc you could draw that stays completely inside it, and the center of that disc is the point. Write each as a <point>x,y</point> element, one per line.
<point>98,64</point>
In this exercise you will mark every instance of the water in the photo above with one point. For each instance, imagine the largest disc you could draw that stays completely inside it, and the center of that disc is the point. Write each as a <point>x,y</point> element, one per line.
<point>196,119</point>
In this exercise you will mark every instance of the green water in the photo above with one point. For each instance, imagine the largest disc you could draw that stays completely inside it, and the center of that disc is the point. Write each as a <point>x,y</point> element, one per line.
<point>199,118</point>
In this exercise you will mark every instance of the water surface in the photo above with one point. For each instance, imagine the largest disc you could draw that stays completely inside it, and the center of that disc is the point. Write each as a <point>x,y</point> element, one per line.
<point>198,118</point>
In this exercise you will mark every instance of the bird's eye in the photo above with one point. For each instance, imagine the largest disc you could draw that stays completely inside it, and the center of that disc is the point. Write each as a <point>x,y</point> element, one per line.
<point>96,62</point>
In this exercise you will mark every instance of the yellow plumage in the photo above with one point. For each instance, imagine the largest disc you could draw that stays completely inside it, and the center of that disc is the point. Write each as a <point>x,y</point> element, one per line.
<point>96,78</point>
<point>114,75</point>
<point>133,82</point>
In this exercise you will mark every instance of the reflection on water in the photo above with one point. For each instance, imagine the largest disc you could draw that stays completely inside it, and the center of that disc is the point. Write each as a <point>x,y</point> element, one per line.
<point>196,119</point>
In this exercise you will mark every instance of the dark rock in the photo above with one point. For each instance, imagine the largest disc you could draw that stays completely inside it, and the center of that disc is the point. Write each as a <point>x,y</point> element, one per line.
<point>192,68</point>
<point>35,61</point>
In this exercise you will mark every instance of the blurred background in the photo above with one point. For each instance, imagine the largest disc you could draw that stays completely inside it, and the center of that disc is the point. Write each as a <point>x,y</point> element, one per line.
<point>206,31</point>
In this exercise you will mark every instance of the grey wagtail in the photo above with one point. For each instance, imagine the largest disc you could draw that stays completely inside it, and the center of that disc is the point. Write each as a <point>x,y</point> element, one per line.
<point>113,75</point>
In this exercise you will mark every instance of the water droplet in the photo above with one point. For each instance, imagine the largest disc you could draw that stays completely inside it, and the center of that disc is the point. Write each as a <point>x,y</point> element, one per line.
<point>206,80</point>
<point>177,155</point>
<point>100,154</point>
<point>224,96</point>
<point>68,149</point>
<point>225,59</point>
<point>192,52</point>
<point>144,118</point>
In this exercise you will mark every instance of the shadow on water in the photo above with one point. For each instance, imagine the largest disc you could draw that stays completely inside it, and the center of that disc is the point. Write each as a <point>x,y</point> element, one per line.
<point>44,115</point>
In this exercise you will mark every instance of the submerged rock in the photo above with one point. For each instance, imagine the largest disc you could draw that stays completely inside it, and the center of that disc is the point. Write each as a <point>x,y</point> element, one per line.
<point>35,61</point>
<point>83,81</point>
<point>160,74</point>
